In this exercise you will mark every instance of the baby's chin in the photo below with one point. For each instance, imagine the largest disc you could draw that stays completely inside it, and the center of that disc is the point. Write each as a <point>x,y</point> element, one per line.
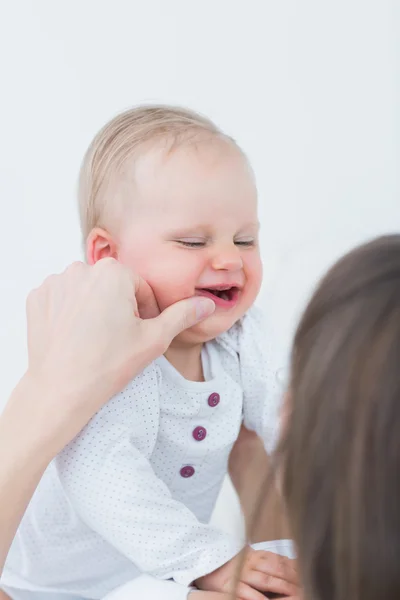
<point>207,330</point>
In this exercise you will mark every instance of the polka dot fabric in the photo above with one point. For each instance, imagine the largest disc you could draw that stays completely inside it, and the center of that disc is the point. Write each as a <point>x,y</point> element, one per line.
<point>134,492</point>
<point>249,359</point>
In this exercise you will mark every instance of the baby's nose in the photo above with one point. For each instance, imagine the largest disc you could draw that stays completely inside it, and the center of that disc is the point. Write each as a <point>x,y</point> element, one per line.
<point>227,259</point>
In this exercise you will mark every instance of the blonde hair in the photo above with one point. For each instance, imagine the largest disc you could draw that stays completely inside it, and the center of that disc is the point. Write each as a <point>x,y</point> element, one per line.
<point>118,141</point>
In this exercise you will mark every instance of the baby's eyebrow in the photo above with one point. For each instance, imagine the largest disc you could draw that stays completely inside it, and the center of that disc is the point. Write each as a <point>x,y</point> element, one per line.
<point>206,231</point>
<point>254,226</point>
<point>188,231</point>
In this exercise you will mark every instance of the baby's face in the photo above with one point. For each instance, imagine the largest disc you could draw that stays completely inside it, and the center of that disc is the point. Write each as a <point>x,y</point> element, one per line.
<point>193,230</point>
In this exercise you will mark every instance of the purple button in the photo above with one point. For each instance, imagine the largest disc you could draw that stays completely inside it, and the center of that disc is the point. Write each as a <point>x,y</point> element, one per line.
<point>213,400</point>
<point>199,433</point>
<point>187,471</point>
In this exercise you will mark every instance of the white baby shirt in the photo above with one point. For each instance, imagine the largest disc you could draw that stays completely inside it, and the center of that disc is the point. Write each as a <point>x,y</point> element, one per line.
<point>134,492</point>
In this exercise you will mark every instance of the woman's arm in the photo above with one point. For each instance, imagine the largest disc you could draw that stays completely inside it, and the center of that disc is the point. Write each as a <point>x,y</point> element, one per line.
<point>85,343</point>
<point>25,451</point>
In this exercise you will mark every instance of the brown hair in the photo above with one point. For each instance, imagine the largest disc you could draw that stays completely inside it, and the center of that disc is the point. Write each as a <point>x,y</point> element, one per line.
<point>341,446</point>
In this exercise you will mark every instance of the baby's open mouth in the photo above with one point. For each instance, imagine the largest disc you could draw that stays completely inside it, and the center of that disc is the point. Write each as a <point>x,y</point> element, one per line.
<point>228,294</point>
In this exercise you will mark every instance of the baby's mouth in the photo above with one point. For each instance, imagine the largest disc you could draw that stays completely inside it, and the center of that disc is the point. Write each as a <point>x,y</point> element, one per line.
<point>225,294</point>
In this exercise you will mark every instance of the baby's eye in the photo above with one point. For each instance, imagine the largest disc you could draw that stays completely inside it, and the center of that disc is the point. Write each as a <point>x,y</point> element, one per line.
<point>192,243</point>
<point>249,242</point>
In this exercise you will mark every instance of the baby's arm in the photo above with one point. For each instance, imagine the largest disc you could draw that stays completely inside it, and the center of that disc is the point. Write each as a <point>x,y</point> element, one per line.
<point>262,393</point>
<point>146,587</point>
<point>249,469</point>
<point>249,466</point>
<point>107,476</point>
<point>254,365</point>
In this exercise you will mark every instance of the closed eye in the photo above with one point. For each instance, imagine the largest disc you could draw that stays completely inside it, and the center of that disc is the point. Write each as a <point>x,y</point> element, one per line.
<point>245,243</point>
<point>191,244</point>
<point>203,243</point>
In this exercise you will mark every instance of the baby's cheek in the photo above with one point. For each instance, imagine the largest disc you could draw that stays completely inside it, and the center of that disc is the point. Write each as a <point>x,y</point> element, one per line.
<point>168,291</point>
<point>172,282</point>
<point>254,270</point>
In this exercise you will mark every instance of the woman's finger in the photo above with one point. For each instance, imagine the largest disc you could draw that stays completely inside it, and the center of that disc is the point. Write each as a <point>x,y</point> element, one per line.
<point>146,300</point>
<point>246,592</point>
<point>276,565</point>
<point>268,583</point>
<point>178,317</point>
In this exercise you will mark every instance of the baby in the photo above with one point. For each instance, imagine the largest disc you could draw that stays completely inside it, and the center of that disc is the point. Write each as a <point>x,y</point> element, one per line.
<point>165,192</point>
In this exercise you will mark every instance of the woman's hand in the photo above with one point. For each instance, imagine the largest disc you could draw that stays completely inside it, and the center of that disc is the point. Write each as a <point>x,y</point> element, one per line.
<point>86,340</point>
<point>254,577</point>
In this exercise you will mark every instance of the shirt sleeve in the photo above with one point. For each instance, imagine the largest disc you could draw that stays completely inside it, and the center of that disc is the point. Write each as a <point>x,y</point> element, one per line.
<point>251,343</point>
<point>149,587</point>
<point>107,476</point>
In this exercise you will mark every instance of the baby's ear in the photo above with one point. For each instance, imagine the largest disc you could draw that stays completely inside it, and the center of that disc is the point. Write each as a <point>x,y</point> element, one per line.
<point>100,244</point>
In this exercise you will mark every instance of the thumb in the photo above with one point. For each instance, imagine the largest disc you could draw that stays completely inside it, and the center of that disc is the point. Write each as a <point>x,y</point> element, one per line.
<point>145,299</point>
<point>182,315</point>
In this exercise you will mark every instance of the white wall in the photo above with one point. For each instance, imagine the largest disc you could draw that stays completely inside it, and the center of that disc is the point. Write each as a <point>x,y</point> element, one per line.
<point>307,87</point>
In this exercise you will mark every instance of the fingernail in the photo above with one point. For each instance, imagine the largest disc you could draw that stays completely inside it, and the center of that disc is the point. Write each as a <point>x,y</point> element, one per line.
<point>204,308</point>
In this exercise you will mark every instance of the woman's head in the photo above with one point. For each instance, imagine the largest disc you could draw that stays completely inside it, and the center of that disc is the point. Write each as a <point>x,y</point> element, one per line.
<point>341,446</point>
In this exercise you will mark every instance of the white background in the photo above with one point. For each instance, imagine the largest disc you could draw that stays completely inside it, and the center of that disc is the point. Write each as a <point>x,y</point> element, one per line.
<point>309,88</point>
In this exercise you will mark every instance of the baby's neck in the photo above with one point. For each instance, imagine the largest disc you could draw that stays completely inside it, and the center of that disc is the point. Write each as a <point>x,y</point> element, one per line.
<point>186,360</point>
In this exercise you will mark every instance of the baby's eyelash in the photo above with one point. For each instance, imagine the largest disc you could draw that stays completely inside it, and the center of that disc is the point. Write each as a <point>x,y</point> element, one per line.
<point>245,243</point>
<point>191,244</point>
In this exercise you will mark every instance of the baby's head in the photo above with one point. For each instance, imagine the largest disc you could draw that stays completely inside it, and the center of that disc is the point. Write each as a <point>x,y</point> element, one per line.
<point>166,193</point>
